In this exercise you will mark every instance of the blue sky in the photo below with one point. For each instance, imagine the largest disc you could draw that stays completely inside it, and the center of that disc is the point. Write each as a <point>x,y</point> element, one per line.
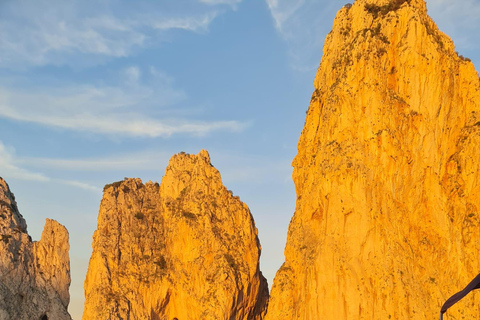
<point>95,91</point>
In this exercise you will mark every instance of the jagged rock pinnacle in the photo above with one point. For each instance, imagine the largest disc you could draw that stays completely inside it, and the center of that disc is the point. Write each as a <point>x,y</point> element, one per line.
<point>34,276</point>
<point>185,249</point>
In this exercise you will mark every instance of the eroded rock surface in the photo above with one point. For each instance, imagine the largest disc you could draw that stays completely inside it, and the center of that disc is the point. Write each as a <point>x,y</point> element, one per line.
<point>185,249</point>
<point>387,174</point>
<point>34,276</point>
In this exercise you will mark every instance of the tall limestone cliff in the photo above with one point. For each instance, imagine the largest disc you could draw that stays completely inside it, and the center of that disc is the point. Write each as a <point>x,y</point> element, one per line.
<point>34,276</point>
<point>186,249</point>
<point>387,174</point>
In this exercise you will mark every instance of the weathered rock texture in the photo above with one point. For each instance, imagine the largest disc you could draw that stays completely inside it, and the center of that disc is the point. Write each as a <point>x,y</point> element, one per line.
<point>34,276</point>
<point>187,249</point>
<point>387,174</point>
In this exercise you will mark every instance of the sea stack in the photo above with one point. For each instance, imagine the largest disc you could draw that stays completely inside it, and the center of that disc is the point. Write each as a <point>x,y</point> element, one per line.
<point>186,249</point>
<point>34,276</point>
<point>387,174</point>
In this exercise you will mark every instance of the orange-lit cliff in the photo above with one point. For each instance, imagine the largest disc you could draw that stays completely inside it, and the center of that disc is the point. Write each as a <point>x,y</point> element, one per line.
<point>387,174</point>
<point>34,275</point>
<point>185,249</point>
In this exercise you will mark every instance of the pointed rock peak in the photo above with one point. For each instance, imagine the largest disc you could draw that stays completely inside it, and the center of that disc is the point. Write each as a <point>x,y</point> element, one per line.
<point>204,155</point>
<point>184,169</point>
<point>384,6</point>
<point>182,157</point>
<point>54,233</point>
<point>186,250</point>
<point>10,217</point>
<point>34,276</point>
<point>52,259</point>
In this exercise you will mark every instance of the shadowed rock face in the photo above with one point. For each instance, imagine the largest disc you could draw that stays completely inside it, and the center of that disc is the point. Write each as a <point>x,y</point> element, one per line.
<point>34,276</point>
<point>185,249</point>
<point>387,174</point>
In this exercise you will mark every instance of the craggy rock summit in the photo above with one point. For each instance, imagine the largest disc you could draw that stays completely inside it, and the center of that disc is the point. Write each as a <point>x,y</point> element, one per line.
<point>34,276</point>
<point>387,174</point>
<point>186,249</point>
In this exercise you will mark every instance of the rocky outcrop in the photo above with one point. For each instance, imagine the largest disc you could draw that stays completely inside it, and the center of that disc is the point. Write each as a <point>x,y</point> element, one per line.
<point>34,276</point>
<point>185,249</point>
<point>387,174</point>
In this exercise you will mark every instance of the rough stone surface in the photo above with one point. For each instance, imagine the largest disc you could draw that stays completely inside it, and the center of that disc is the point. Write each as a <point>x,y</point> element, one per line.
<point>34,276</point>
<point>185,249</point>
<point>386,224</point>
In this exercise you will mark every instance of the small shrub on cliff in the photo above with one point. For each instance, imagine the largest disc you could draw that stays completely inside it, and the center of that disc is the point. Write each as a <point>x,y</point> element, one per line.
<point>6,238</point>
<point>231,261</point>
<point>189,215</point>
<point>381,52</point>
<point>315,96</point>
<point>139,215</point>
<point>434,33</point>
<point>464,58</point>
<point>115,185</point>
<point>372,9</point>
<point>376,10</point>
<point>161,262</point>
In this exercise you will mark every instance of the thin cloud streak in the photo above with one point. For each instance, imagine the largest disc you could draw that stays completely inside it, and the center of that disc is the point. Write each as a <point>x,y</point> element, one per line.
<point>65,30</point>
<point>234,168</point>
<point>9,170</point>
<point>142,160</point>
<point>131,109</point>
<point>195,24</point>
<point>304,25</point>
<point>79,184</point>
<point>123,125</point>
<point>282,10</point>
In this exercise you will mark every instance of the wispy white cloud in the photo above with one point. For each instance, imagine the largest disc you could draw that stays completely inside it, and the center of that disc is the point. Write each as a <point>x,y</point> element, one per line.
<point>133,74</point>
<point>195,24</point>
<point>9,169</point>
<point>41,32</point>
<point>131,109</point>
<point>282,10</point>
<point>304,26</point>
<point>235,168</point>
<point>79,184</point>
<point>140,160</point>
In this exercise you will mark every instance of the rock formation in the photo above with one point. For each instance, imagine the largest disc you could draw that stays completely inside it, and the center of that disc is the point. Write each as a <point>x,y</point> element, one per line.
<point>185,249</point>
<point>34,276</point>
<point>387,174</point>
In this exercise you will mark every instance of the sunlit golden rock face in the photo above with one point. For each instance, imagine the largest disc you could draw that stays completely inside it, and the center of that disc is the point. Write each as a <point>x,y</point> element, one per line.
<point>34,276</point>
<point>185,249</point>
<point>387,174</point>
